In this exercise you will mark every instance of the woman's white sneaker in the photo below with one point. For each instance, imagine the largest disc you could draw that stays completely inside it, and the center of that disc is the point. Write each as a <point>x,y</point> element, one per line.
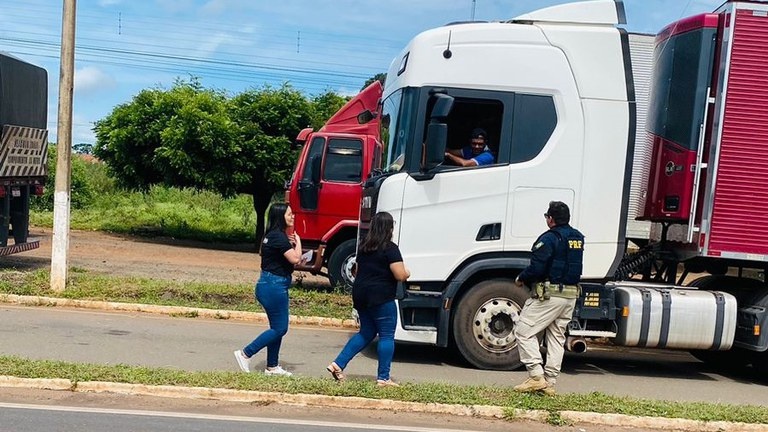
<point>277,370</point>
<point>242,361</point>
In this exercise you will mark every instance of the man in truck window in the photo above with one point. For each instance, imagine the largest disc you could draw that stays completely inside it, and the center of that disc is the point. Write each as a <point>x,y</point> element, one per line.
<point>476,153</point>
<point>553,277</point>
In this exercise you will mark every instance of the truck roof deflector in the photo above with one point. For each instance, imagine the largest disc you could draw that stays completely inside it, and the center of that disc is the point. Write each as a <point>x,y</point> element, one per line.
<point>607,12</point>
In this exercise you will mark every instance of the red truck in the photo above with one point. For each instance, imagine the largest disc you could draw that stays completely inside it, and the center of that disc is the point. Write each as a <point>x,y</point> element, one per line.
<point>324,191</point>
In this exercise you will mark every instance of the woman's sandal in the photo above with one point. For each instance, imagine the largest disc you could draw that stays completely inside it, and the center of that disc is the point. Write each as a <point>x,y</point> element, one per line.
<point>336,371</point>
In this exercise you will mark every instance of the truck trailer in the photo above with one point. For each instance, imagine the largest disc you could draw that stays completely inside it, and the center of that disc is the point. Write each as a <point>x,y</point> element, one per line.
<point>23,148</point>
<point>658,144</point>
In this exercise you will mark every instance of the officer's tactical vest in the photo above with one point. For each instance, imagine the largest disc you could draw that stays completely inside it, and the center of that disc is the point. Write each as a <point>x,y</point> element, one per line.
<point>568,256</point>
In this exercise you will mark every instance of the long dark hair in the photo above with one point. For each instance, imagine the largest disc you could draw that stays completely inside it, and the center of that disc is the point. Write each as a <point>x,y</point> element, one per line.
<point>379,233</point>
<point>276,216</point>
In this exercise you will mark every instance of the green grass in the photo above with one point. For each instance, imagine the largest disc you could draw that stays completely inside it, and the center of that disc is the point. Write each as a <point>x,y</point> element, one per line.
<point>411,392</point>
<point>83,285</point>
<point>164,211</point>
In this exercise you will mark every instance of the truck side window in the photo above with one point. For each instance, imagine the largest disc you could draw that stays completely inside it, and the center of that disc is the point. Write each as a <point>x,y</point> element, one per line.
<point>534,121</point>
<point>344,160</point>
<point>469,114</point>
<point>315,149</point>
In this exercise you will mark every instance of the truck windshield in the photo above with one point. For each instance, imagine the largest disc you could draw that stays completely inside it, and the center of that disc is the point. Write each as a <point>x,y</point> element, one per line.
<point>396,121</point>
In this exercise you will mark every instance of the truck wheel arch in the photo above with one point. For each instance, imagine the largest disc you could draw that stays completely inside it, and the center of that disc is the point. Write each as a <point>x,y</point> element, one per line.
<point>467,276</point>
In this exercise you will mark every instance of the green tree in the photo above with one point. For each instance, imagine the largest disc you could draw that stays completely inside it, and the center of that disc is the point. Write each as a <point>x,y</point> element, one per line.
<point>190,136</point>
<point>379,76</point>
<point>326,105</point>
<point>268,120</point>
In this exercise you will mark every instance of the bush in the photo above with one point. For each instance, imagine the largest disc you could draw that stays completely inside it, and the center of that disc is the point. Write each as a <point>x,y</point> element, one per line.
<point>87,177</point>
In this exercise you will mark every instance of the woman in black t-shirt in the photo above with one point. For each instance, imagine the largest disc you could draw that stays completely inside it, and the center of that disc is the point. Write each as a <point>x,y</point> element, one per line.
<point>379,268</point>
<point>280,251</point>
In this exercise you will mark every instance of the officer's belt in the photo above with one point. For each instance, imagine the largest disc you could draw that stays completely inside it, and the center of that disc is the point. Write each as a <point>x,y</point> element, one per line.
<point>545,290</point>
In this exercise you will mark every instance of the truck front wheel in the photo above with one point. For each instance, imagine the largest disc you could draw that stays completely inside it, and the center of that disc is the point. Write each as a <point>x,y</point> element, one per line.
<point>484,321</point>
<point>341,263</point>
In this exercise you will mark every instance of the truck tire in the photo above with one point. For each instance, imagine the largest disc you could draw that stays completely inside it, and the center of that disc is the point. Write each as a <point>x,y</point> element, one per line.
<point>742,288</point>
<point>760,365</point>
<point>483,324</point>
<point>724,360</point>
<point>340,265</point>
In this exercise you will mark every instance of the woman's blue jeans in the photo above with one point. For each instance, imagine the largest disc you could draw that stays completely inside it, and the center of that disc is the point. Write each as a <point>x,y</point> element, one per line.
<point>272,293</point>
<point>380,320</point>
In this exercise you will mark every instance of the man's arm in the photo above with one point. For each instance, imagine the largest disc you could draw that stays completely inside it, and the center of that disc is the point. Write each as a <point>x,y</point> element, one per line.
<point>460,161</point>
<point>484,158</point>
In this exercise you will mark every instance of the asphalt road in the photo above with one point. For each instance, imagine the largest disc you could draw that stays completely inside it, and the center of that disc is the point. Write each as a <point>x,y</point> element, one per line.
<point>200,344</point>
<point>19,418</point>
<point>27,410</point>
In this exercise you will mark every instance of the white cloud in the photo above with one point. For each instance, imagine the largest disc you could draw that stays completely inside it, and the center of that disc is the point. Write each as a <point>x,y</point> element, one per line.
<point>92,79</point>
<point>106,3</point>
<point>212,44</point>
<point>215,7</point>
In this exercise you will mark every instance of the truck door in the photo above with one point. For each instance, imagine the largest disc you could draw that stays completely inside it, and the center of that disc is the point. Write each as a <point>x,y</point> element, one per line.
<point>329,189</point>
<point>460,211</point>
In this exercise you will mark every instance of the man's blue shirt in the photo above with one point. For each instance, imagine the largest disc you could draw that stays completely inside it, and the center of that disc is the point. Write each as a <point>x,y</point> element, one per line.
<point>484,158</point>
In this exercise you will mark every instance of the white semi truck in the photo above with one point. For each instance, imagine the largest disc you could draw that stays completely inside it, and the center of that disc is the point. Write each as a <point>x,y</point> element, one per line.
<point>657,143</point>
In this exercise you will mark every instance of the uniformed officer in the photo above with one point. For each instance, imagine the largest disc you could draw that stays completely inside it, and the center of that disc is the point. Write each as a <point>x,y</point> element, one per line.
<point>553,277</point>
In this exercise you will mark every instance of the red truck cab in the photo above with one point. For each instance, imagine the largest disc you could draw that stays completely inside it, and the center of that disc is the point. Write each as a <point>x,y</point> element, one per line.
<point>326,185</point>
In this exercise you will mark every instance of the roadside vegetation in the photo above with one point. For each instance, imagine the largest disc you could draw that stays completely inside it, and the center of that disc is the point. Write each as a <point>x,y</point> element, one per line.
<point>84,285</point>
<point>185,213</point>
<point>410,392</point>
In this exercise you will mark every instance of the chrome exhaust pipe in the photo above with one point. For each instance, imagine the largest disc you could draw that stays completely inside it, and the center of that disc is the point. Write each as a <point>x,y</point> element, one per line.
<point>576,344</point>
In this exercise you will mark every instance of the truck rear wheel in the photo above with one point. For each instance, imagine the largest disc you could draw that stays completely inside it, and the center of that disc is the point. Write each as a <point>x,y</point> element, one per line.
<point>484,321</point>
<point>741,288</point>
<point>760,364</point>
<point>341,263</point>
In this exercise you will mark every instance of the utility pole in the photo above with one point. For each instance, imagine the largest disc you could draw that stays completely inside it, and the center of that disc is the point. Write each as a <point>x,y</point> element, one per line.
<point>60,248</point>
<point>472,17</point>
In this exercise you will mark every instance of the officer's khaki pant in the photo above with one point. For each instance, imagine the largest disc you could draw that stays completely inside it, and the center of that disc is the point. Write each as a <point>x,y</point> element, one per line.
<point>553,316</point>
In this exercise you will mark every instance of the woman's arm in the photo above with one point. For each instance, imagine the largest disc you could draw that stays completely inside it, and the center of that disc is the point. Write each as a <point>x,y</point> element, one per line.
<point>399,271</point>
<point>294,255</point>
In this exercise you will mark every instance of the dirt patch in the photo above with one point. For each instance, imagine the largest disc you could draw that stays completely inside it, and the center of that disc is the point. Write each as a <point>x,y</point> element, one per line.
<point>154,258</point>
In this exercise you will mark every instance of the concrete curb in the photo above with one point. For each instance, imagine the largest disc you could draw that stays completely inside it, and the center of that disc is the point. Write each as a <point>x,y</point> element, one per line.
<point>172,310</point>
<point>36,383</point>
<point>484,411</point>
<point>660,422</point>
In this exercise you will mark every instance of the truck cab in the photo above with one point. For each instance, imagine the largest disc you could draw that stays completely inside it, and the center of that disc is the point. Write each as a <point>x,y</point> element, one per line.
<point>324,191</point>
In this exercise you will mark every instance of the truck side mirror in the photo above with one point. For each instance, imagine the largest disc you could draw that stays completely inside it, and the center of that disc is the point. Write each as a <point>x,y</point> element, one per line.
<point>365,117</point>
<point>437,137</point>
<point>437,132</point>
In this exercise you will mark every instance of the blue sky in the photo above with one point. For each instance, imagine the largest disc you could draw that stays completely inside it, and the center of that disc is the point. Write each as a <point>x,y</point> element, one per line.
<point>124,46</point>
